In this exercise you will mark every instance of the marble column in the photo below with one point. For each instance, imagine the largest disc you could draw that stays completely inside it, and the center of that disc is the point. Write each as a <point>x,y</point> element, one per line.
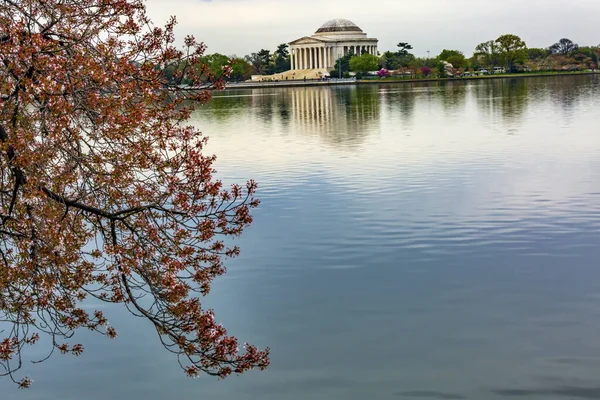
<point>305,55</point>
<point>303,58</point>
<point>318,58</point>
<point>295,58</point>
<point>320,63</point>
<point>322,54</point>
<point>292,60</point>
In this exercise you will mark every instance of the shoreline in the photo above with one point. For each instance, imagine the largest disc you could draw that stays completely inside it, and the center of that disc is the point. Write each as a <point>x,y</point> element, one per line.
<point>301,83</point>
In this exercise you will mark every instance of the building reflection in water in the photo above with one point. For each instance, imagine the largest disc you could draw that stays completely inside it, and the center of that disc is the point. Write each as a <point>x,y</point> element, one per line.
<point>340,116</point>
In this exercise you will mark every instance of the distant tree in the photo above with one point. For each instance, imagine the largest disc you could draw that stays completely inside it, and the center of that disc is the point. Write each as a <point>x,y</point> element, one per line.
<point>217,64</point>
<point>564,47</point>
<point>383,73</point>
<point>475,63</point>
<point>342,65</point>
<point>591,52</point>
<point>441,69</point>
<point>457,61</point>
<point>260,61</point>
<point>386,61</point>
<point>454,57</point>
<point>426,71</point>
<point>364,63</point>
<point>425,62</point>
<point>282,58</point>
<point>513,50</point>
<point>282,51</point>
<point>403,48</point>
<point>448,53</point>
<point>241,69</point>
<point>536,54</point>
<point>489,53</point>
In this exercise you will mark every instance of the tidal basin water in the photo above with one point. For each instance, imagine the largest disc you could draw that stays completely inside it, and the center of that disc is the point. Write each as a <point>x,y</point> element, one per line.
<point>427,241</point>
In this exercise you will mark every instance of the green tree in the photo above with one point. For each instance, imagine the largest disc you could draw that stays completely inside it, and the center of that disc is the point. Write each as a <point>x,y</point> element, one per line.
<point>591,52</point>
<point>403,48</point>
<point>282,58</point>
<point>260,61</point>
<point>513,49</point>
<point>364,63</point>
<point>536,54</point>
<point>488,53</point>
<point>457,61</point>
<point>564,47</point>
<point>241,69</point>
<point>454,57</point>
<point>441,69</point>
<point>215,63</point>
<point>445,54</point>
<point>475,63</point>
<point>399,59</point>
<point>342,65</point>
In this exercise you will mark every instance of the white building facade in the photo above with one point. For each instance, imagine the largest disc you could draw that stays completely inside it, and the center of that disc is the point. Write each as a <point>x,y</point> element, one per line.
<point>333,40</point>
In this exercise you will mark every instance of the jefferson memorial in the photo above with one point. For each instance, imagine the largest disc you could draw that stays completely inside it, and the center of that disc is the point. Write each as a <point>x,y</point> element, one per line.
<point>333,40</point>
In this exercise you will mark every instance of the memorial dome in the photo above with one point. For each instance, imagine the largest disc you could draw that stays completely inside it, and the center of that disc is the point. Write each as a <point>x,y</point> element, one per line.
<point>339,25</point>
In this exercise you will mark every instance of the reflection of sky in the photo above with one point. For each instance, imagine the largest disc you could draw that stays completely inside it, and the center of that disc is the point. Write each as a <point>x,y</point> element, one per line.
<point>438,243</point>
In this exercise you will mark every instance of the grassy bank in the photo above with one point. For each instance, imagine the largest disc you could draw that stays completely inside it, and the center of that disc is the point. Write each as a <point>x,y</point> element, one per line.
<point>458,79</point>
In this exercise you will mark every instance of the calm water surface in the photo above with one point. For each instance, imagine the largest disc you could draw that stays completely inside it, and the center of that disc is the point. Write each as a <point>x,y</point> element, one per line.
<point>413,242</point>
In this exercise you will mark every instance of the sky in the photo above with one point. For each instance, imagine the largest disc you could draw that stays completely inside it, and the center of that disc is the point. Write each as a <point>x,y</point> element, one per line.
<point>240,27</point>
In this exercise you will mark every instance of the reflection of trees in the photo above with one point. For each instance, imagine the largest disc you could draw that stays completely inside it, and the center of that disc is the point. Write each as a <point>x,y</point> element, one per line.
<point>567,91</point>
<point>339,115</point>
<point>263,103</point>
<point>400,100</point>
<point>506,98</point>
<point>509,98</point>
<point>452,95</point>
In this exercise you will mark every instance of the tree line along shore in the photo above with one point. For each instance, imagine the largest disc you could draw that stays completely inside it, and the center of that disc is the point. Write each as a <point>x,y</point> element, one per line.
<point>508,54</point>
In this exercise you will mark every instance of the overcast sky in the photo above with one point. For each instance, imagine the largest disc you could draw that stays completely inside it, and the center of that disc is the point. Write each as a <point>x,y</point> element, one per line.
<point>243,26</point>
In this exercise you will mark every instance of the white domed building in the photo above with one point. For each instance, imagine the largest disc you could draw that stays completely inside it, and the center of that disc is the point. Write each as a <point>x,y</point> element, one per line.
<point>331,41</point>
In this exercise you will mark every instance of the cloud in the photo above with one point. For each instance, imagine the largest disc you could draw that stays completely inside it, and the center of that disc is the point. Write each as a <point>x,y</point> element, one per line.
<point>244,26</point>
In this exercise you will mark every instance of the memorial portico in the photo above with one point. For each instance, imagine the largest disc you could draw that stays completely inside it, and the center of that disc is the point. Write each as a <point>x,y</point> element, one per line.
<point>333,40</point>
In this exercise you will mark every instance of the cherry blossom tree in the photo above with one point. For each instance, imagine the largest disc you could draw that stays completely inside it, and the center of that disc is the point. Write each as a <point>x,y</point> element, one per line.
<point>383,73</point>
<point>105,192</point>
